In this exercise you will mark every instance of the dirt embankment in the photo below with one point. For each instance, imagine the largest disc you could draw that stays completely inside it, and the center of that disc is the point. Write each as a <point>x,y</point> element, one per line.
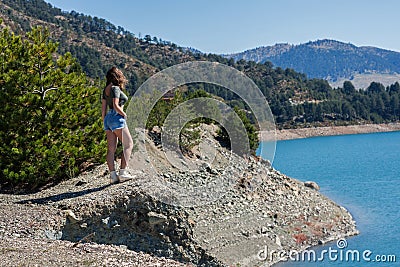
<point>252,209</point>
<point>287,134</point>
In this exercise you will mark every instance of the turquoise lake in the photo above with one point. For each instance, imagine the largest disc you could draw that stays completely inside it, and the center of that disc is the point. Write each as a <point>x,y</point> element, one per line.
<point>362,173</point>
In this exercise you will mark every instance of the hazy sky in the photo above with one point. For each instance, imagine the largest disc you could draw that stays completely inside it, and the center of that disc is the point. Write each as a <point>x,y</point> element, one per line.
<point>226,26</point>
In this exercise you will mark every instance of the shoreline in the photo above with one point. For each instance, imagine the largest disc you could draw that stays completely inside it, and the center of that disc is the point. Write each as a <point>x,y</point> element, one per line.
<point>290,134</point>
<point>301,133</point>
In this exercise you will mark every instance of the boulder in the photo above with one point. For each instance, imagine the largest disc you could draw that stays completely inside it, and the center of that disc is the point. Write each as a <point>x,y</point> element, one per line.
<point>312,185</point>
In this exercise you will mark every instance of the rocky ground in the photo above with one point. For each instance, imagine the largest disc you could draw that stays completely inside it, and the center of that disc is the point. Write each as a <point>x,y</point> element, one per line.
<point>233,209</point>
<point>32,227</point>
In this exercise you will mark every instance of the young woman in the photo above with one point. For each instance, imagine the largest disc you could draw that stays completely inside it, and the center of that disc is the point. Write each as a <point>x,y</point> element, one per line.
<point>114,122</point>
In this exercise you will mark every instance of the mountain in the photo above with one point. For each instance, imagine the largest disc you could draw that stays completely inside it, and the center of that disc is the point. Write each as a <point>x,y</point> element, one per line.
<point>295,100</point>
<point>331,60</point>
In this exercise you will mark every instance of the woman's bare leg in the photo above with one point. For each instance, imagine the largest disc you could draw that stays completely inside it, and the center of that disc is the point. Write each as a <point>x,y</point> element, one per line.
<point>111,148</point>
<point>127,143</point>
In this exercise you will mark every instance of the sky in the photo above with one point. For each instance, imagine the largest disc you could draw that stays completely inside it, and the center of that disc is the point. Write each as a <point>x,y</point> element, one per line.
<point>228,26</point>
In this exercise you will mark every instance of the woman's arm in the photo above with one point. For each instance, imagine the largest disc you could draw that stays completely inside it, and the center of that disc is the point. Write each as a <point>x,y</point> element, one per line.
<point>117,107</point>
<point>103,108</point>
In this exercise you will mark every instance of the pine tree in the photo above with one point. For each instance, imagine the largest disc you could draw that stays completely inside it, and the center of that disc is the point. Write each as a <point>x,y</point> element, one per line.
<point>50,115</point>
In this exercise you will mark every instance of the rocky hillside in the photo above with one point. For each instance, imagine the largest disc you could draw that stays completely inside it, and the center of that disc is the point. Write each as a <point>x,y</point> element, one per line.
<point>329,59</point>
<point>87,222</point>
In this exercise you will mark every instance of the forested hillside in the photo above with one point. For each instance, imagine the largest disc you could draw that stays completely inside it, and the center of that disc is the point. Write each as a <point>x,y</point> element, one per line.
<point>295,100</point>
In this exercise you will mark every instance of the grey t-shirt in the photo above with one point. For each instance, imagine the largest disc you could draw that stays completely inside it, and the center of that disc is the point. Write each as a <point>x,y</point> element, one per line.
<point>115,92</point>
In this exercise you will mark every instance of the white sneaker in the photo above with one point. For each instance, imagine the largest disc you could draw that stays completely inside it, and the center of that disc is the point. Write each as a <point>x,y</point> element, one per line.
<point>114,179</point>
<point>125,176</point>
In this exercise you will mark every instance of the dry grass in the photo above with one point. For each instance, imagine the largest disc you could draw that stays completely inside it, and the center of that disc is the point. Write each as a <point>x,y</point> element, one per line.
<point>364,80</point>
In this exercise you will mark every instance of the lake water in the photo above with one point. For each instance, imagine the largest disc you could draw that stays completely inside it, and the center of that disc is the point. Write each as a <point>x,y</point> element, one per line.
<point>361,173</point>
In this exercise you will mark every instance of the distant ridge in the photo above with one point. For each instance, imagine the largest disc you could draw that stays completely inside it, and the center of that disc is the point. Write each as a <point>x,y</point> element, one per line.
<point>331,60</point>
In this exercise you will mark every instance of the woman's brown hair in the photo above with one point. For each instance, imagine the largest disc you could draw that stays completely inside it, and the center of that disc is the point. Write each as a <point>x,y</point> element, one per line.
<point>116,77</point>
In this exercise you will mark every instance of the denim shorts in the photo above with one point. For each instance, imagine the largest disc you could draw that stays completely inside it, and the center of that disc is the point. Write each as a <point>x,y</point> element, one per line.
<point>113,121</point>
